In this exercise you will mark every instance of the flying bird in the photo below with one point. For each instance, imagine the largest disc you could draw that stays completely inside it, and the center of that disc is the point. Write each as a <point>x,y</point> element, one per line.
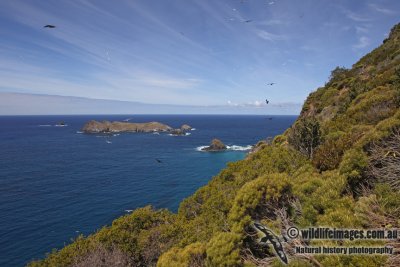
<point>159,161</point>
<point>49,26</point>
<point>270,83</point>
<point>266,101</point>
<point>247,21</point>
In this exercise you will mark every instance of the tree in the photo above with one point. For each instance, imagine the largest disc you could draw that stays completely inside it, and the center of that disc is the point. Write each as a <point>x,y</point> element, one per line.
<point>305,135</point>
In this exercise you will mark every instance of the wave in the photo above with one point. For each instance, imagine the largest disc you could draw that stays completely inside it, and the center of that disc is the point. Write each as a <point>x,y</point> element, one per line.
<point>230,148</point>
<point>61,125</point>
<point>199,148</point>
<point>239,148</point>
<point>186,134</point>
<point>79,132</point>
<point>193,129</point>
<point>44,125</point>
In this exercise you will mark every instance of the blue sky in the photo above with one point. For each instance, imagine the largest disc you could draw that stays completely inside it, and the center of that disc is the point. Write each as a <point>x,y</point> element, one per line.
<point>186,52</point>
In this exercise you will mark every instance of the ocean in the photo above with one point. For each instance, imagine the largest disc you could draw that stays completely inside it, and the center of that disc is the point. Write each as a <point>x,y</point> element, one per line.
<point>57,183</point>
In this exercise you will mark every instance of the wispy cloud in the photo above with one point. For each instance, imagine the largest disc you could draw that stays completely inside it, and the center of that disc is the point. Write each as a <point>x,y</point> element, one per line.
<point>272,22</point>
<point>356,17</point>
<point>270,36</point>
<point>256,103</point>
<point>381,9</point>
<point>361,29</point>
<point>363,42</point>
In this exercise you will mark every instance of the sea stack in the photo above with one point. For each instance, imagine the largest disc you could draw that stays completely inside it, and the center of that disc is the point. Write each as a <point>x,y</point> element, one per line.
<point>215,146</point>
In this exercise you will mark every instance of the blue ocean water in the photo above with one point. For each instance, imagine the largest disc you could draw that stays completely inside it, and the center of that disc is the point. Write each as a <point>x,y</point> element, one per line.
<point>57,183</point>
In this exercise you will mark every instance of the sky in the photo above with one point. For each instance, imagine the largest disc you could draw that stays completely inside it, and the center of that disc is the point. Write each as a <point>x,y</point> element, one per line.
<point>203,53</point>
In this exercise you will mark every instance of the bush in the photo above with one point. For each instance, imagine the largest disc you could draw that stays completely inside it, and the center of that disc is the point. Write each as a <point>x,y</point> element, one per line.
<point>103,257</point>
<point>259,199</point>
<point>305,135</point>
<point>375,105</point>
<point>279,140</point>
<point>223,250</point>
<point>384,160</point>
<point>193,255</point>
<point>329,154</point>
<point>353,167</point>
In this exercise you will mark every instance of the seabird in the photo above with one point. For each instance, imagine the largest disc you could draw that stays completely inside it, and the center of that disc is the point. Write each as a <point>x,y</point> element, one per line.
<point>266,101</point>
<point>247,21</point>
<point>159,161</point>
<point>49,26</point>
<point>270,83</point>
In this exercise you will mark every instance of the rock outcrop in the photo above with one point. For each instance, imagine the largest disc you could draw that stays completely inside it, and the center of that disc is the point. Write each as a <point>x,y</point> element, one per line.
<point>178,132</point>
<point>116,127</point>
<point>181,131</point>
<point>186,127</point>
<point>216,145</point>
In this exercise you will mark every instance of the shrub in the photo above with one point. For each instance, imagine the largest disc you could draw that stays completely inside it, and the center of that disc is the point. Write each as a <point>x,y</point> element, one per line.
<point>223,250</point>
<point>353,166</point>
<point>384,160</point>
<point>305,135</point>
<point>258,199</point>
<point>193,255</point>
<point>280,140</point>
<point>329,154</point>
<point>103,257</point>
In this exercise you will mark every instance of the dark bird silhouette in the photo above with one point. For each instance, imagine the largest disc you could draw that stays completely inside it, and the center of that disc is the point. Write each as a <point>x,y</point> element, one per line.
<point>249,20</point>
<point>49,26</point>
<point>266,101</point>
<point>269,236</point>
<point>270,83</point>
<point>159,161</point>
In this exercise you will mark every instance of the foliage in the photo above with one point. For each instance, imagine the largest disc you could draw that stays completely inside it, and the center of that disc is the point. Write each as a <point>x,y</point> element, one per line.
<point>279,140</point>
<point>353,167</point>
<point>384,160</point>
<point>142,236</point>
<point>192,255</point>
<point>223,250</point>
<point>102,257</point>
<point>305,135</point>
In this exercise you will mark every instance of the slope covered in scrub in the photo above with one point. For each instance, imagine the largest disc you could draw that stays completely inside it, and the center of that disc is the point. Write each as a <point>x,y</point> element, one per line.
<point>337,166</point>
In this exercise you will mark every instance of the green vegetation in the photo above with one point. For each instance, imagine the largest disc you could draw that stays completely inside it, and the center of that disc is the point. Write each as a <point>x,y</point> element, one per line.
<point>337,166</point>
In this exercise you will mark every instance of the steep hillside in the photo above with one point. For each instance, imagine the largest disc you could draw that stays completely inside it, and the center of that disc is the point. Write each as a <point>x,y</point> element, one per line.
<point>337,166</point>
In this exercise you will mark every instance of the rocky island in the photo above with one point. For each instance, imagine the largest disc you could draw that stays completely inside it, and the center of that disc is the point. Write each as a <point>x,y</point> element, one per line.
<point>215,146</point>
<point>117,127</point>
<point>145,127</point>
